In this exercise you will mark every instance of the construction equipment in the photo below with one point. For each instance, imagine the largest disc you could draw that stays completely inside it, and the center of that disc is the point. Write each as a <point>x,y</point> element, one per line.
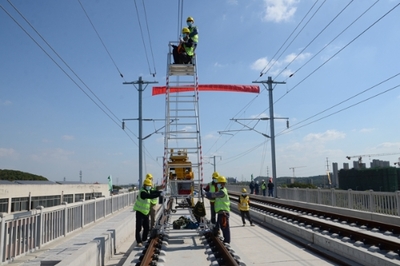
<point>294,167</point>
<point>369,155</point>
<point>182,173</point>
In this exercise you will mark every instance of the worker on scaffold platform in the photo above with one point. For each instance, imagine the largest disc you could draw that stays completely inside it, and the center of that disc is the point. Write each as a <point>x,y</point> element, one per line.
<point>184,52</point>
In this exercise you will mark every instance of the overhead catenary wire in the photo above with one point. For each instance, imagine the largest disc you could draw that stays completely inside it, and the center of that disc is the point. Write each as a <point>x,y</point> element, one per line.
<point>117,121</point>
<point>144,44</point>
<point>290,35</point>
<point>238,156</point>
<point>62,60</point>
<point>180,18</point>
<point>293,127</point>
<point>329,43</point>
<point>344,48</point>
<point>301,30</point>
<point>101,40</point>
<point>343,109</point>
<point>321,31</point>
<point>339,51</point>
<point>148,34</point>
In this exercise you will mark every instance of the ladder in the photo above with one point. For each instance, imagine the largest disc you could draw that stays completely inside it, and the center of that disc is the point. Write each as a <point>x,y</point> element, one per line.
<point>182,167</point>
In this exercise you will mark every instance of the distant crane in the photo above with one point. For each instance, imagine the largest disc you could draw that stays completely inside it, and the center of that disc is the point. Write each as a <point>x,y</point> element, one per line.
<point>294,167</point>
<point>361,156</point>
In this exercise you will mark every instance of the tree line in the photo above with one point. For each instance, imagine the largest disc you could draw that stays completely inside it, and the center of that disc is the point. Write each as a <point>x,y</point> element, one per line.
<point>12,175</point>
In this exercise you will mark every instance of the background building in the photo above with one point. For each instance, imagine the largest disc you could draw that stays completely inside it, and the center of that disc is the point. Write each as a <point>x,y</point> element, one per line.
<point>27,195</point>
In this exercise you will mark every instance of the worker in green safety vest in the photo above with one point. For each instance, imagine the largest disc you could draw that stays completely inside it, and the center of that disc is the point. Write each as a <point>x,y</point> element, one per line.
<point>194,32</point>
<point>212,187</point>
<point>184,52</point>
<point>142,208</point>
<point>264,188</point>
<point>222,208</point>
<point>153,202</point>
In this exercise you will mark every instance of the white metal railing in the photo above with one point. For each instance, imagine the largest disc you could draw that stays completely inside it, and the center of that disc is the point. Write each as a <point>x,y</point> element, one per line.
<point>372,201</point>
<point>25,232</point>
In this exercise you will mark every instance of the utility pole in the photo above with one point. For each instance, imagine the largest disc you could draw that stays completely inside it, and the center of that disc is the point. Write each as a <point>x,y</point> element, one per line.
<point>140,89</point>
<point>215,163</point>
<point>272,128</point>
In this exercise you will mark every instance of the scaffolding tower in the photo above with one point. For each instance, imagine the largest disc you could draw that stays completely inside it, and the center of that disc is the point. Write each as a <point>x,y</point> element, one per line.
<point>182,166</point>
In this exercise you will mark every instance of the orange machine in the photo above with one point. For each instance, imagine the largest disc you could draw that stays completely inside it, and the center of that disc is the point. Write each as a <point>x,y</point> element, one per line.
<point>181,170</point>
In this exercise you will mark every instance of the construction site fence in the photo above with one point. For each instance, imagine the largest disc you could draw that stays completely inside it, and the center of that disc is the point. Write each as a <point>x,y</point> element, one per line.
<point>371,201</point>
<point>24,232</point>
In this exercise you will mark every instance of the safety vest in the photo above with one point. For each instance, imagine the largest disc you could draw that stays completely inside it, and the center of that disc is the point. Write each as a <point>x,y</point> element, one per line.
<point>212,190</point>
<point>189,50</point>
<point>142,205</point>
<point>263,186</point>
<point>244,203</point>
<point>155,200</point>
<point>195,38</point>
<point>223,204</point>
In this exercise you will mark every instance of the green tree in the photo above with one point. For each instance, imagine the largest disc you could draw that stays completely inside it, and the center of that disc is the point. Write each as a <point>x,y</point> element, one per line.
<point>12,175</point>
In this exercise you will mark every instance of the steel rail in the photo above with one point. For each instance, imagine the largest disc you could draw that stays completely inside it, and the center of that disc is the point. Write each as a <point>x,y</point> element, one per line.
<point>395,229</point>
<point>221,251</point>
<point>150,252</point>
<point>300,215</point>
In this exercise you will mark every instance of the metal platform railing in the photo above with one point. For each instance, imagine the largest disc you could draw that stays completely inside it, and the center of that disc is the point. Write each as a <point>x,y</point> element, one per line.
<point>25,232</point>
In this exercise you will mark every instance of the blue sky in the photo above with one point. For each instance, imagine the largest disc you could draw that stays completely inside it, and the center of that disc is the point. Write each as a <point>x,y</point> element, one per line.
<point>342,94</point>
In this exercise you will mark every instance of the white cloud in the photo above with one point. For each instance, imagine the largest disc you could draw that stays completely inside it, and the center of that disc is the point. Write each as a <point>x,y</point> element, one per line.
<point>209,136</point>
<point>274,67</point>
<point>233,2</point>
<point>68,137</point>
<point>216,64</point>
<point>7,152</point>
<point>262,115</point>
<point>5,103</point>
<point>328,135</point>
<point>391,145</point>
<point>296,57</point>
<point>366,130</point>
<point>259,64</point>
<point>279,10</point>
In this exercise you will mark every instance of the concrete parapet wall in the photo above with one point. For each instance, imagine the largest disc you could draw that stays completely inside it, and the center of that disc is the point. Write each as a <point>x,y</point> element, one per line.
<point>102,248</point>
<point>125,228</point>
<point>87,255</point>
<point>376,217</point>
<point>357,255</point>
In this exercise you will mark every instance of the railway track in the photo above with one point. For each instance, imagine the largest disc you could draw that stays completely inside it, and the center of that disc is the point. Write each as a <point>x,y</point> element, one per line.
<point>372,236</point>
<point>156,249</point>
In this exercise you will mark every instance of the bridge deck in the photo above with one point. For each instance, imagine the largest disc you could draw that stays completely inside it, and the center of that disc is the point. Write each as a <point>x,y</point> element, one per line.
<point>254,245</point>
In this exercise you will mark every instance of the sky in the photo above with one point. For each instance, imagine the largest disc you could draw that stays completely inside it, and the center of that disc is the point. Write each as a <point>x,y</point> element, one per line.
<point>62,97</point>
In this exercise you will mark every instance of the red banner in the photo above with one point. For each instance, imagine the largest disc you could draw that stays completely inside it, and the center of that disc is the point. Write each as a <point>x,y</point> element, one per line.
<point>157,90</point>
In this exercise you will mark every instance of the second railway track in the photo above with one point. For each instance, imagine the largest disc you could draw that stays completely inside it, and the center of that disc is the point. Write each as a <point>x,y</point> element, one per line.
<point>376,242</point>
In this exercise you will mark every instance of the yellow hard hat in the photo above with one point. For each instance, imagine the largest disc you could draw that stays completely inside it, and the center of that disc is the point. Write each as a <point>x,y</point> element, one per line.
<point>189,19</point>
<point>149,176</point>
<point>147,182</point>
<point>185,30</point>
<point>215,175</point>
<point>221,179</point>
<point>244,190</point>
